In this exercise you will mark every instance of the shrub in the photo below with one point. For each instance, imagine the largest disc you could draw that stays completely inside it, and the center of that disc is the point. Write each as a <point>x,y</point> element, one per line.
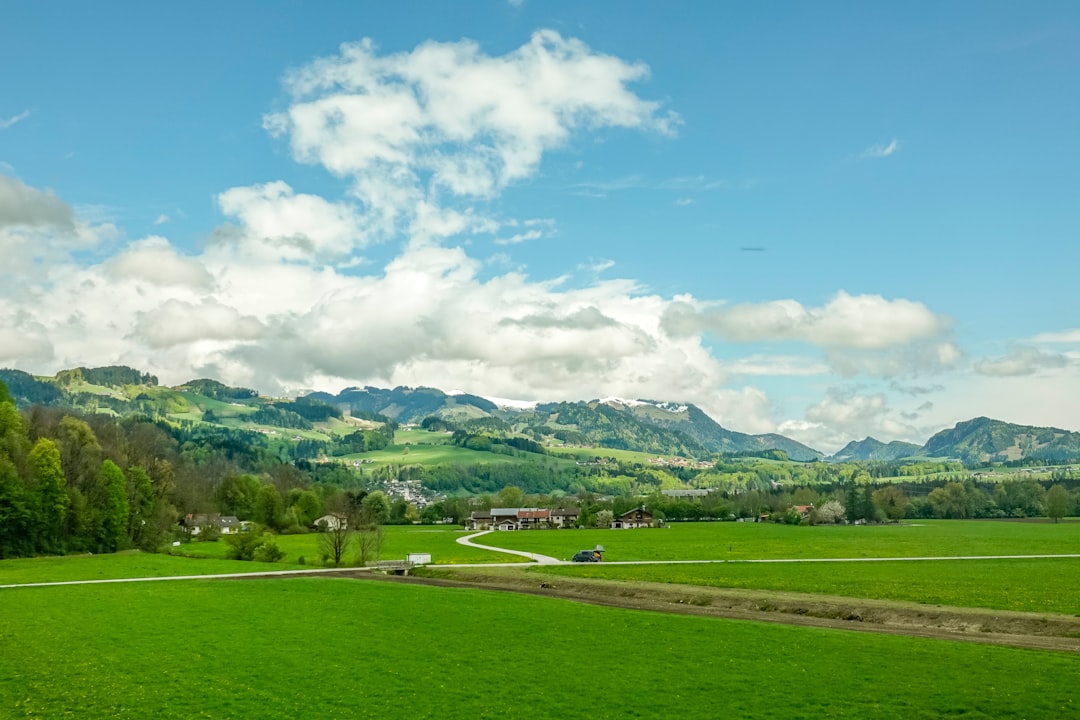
<point>269,552</point>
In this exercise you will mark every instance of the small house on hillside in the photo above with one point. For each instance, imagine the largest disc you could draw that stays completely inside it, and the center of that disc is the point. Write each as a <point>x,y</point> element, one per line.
<point>196,524</point>
<point>639,517</point>
<point>804,511</point>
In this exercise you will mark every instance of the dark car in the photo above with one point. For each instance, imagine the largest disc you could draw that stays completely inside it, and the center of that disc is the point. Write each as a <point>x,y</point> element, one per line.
<point>586,556</point>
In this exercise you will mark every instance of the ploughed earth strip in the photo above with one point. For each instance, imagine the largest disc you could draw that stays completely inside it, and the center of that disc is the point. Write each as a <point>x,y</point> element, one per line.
<point>998,627</point>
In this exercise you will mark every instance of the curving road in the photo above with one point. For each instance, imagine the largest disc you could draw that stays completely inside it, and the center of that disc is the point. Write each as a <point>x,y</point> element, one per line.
<point>535,557</point>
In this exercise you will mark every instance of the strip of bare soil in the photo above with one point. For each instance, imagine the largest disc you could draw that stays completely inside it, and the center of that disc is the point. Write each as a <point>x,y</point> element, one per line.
<point>997,627</point>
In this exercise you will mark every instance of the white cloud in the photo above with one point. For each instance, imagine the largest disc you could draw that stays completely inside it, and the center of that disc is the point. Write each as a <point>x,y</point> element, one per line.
<point>920,357</point>
<point>1065,336</point>
<point>844,415</point>
<point>24,205</point>
<point>8,122</point>
<point>176,322</point>
<point>161,219</point>
<point>775,365</point>
<point>880,151</point>
<point>868,322</point>
<point>683,202</point>
<point>447,119</point>
<point>156,261</point>
<point>1021,361</point>
<point>279,223</point>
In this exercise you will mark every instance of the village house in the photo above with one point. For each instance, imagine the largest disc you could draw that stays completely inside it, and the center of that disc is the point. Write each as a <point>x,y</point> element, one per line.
<point>521,518</point>
<point>195,524</point>
<point>639,517</point>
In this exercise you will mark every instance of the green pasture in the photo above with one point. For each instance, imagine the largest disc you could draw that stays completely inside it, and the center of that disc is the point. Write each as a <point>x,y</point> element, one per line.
<point>415,436</point>
<point>1029,585</point>
<point>338,648</point>
<point>585,453</point>
<point>398,541</point>
<point>423,454</point>
<point>751,541</point>
<point>127,564</point>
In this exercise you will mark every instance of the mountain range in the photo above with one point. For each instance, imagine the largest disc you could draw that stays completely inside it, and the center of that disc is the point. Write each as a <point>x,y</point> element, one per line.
<point>650,426</point>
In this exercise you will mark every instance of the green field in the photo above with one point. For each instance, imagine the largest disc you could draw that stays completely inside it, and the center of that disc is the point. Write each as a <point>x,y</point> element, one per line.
<point>1029,585</point>
<point>121,565</point>
<point>399,540</point>
<point>344,648</point>
<point>746,541</point>
<point>443,454</point>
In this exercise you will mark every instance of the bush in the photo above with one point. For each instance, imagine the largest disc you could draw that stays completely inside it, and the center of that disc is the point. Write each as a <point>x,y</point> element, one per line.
<point>269,552</point>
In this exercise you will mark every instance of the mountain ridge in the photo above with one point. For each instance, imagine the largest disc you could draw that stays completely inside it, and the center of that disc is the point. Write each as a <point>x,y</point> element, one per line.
<point>654,426</point>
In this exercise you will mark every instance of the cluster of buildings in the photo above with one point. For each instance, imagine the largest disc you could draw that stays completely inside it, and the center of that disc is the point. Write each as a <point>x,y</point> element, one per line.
<point>681,462</point>
<point>543,518</point>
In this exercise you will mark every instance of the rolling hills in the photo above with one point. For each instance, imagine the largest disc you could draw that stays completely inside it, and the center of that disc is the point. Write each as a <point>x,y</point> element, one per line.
<point>647,426</point>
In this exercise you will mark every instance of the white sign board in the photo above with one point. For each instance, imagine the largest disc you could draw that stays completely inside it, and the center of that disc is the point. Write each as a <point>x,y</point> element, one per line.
<point>419,558</point>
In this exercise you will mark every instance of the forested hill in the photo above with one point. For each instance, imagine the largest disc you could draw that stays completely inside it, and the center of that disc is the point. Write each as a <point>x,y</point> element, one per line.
<point>691,422</point>
<point>643,425</point>
<point>872,449</point>
<point>983,440</point>
<point>409,405</point>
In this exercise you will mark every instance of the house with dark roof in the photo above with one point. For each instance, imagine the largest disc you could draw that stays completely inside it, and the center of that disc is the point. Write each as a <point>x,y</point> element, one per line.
<point>196,524</point>
<point>639,517</point>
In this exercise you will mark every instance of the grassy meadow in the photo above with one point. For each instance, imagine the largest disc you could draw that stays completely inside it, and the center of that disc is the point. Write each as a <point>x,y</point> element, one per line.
<point>342,648</point>
<point>751,541</point>
<point>398,541</point>
<point>128,564</point>
<point>1029,585</point>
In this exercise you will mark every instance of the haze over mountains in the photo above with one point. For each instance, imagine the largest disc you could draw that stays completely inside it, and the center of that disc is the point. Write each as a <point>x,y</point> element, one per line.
<point>652,426</point>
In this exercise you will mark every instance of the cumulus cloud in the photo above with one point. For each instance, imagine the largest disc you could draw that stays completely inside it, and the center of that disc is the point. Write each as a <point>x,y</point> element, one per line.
<point>868,322</point>
<point>1021,361</point>
<point>156,261</point>
<point>845,414</point>
<point>24,205</point>
<point>176,322</point>
<point>279,223</point>
<point>447,119</point>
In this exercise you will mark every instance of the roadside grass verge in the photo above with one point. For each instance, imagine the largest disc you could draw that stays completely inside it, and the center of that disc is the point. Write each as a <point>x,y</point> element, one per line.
<point>344,648</point>
<point>747,541</point>
<point>1035,585</point>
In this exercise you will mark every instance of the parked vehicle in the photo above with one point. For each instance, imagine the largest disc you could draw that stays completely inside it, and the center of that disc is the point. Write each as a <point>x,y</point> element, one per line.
<point>586,556</point>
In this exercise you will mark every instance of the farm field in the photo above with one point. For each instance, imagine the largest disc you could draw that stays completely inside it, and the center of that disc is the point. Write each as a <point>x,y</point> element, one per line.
<point>121,565</point>
<point>398,541</point>
<point>1028,585</point>
<point>746,541</point>
<point>372,649</point>
<point>423,454</point>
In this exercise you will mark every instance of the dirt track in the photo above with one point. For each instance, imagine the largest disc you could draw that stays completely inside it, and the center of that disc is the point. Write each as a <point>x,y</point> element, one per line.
<point>995,627</point>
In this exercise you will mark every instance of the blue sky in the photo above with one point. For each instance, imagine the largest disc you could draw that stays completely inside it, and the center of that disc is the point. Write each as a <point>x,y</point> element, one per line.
<point>830,220</point>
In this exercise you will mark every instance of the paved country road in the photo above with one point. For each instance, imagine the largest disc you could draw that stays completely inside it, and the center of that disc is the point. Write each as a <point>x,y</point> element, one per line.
<point>536,557</point>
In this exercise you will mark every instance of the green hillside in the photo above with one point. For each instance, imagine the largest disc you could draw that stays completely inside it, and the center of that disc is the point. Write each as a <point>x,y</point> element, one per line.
<point>983,440</point>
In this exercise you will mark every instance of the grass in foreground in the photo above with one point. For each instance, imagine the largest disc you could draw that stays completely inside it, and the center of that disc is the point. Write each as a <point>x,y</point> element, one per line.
<point>341,648</point>
<point>120,565</point>
<point>1042,585</point>
<point>746,541</point>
